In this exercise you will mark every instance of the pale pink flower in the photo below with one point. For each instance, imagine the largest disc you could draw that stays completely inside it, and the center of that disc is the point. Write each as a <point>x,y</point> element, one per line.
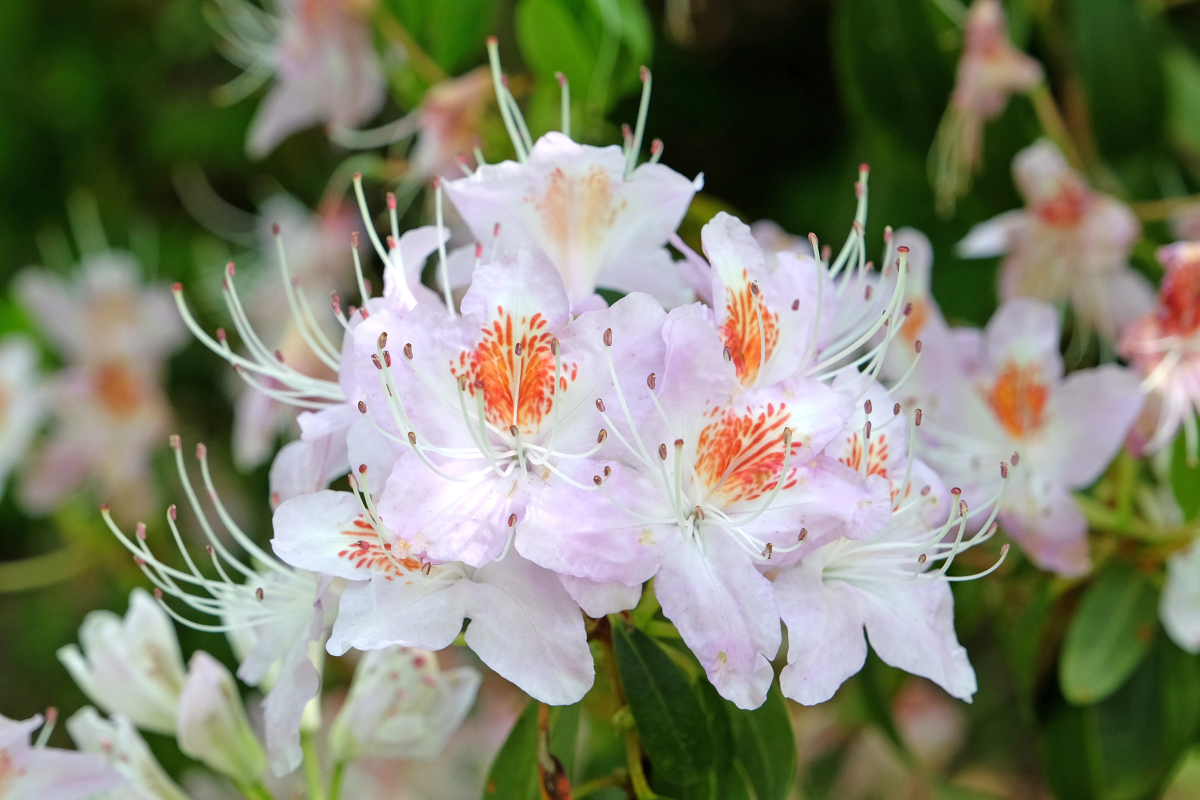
<point>447,122</point>
<point>598,224</point>
<point>1070,244</point>
<point>118,742</point>
<point>1008,395</point>
<point>321,55</point>
<point>43,773</point>
<point>1179,605</point>
<point>212,726</point>
<point>22,400</point>
<point>402,705</point>
<point>1164,346</point>
<point>990,70</point>
<point>130,666</point>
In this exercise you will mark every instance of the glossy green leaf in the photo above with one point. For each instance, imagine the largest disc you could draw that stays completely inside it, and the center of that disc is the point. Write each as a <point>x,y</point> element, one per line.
<point>892,70</point>
<point>1111,632</point>
<point>1185,479</point>
<point>451,33</point>
<point>670,720</point>
<point>514,774</point>
<point>1116,55</point>
<point>765,746</point>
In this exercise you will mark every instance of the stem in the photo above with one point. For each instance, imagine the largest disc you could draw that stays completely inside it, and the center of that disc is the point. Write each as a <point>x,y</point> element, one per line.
<point>1156,210</point>
<point>1053,124</point>
<point>637,777</point>
<point>254,791</point>
<point>1126,483</point>
<point>47,569</point>
<point>619,778</point>
<point>312,767</point>
<point>335,782</point>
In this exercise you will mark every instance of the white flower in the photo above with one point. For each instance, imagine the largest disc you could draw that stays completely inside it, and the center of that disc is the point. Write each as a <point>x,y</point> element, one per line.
<point>130,666</point>
<point>1179,606</point>
<point>42,773</point>
<point>21,400</point>
<point>401,705</point>
<point>123,747</point>
<point>212,724</point>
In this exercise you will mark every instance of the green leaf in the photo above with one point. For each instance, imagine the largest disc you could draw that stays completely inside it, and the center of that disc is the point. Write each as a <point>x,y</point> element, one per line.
<point>451,33</point>
<point>1185,479</point>
<point>1109,635</point>
<point>553,40</point>
<point>892,70</point>
<point>765,746</point>
<point>514,773</point>
<point>1182,70</point>
<point>1116,54</point>
<point>670,720</point>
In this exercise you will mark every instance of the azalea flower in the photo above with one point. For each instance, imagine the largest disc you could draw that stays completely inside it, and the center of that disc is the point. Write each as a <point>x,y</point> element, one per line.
<point>990,70</point>
<point>1007,395</point>
<point>1164,346</point>
<point>888,583</point>
<point>401,705</point>
<point>602,220</point>
<point>38,772</point>
<point>524,625</point>
<point>119,743</point>
<point>276,617</point>
<point>130,666</point>
<point>107,404</point>
<point>320,54</point>
<point>212,724</point>
<point>21,400</point>
<point>743,485</point>
<point>1179,605</point>
<point>1070,244</point>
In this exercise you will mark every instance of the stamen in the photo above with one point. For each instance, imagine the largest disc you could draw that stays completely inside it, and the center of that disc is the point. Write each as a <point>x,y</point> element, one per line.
<point>643,109</point>
<point>493,49</point>
<point>565,92</point>
<point>441,232</point>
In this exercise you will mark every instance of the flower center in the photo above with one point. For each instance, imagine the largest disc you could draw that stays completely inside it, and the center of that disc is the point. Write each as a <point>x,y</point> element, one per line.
<point>366,551</point>
<point>741,454</point>
<point>1179,310</point>
<point>1018,398</point>
<point>118,389</point>
<point>1065,209</point>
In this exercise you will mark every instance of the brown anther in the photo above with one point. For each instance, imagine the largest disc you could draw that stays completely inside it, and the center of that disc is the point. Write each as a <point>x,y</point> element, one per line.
<point>754,290</point>
<point>896,410</point>
<point>601,436</point>
<point>201,451</point>
<point>462,383</point>
<point>412,438</point>
<point>907,309</point>
<point>512,520</point>
<point>514,430</point>
<point>1003,470</point>
<point>650,380</point>
<point>662,451</point>
<point>699,512</point>
<point>728,353</point>
<point>921,559</point>
<point>867,406</point>
<point>787,436</point>
<point>518,349</point>
<point>258,593</point>
<point>867,430</point>
<point>956,491</point>
<point>382,341</point>
<point>172,512</point>
<point>141,531</point>
<point>596,479</point>
<point>767,552</point>
<point>478,384</point>
<point>1015,458</point>
<point>221,334</point>
<point>157,593</point>
<point>208,548</point>
<point>600,404</point>
<point>408,351</point>
<point>387,357</point>
<point>925,491</point>
<point>917,417</point>
<point>428,568</point>
<point>279,356</point>
<point>375,360</point>
<point>917,345</point>
<point>867,293</point>
<point>554,346</point>
<point>678,443</point>
<point>362,469</point>
<point>803,535</point>
<point>608,337</point>
<point>795,305</point>
<point>607,470</point>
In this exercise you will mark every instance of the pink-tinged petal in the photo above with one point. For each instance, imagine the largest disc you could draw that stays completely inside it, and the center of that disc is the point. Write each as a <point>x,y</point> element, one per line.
<point>911,627</point>
<point>1179,607</point>
<point>461,514</point>
<point>52,774</point>
<point>572,201</point>
<point>415,247</point>
<point>653,272</point>
<point>524,283</point>
<point>725,612</point>
<point>1091,413</point>
<point>991,238</point>
<point>258,421</point>
<point>600,599</point>
<point>302,467</point>
<point>413,610</point>
<point>1051,530</point>
<point>696,375</point>
<point>283,707</point>
<point>587,534</point>
<point>1114,301</point>
<point>1026,332</point>
<point>287,108</point>
<point>366,445</point>
<point>526,627</point>
<point>1040,170</point>
<point>826,644</point>
<point>327,533</point>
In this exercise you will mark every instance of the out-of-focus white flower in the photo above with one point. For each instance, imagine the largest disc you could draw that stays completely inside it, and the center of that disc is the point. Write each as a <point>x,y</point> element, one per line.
<point>990,71</point>
<point>212,724</point>
<point>447,122</point>
<point>1179,606</point>
<point>401,705</point>
<point>123,747</point>
<point>319,52</point>
<point>22,400</point>
<point>38,772</point>
<point>1070,243</point>
<point>107,403</point>
<point>276,617</point>
<point>130,666</point>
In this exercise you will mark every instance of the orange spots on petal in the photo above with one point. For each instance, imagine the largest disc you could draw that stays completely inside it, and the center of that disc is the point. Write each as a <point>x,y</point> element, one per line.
<point>876,455</point>
<point>576,210</point>
<point>1018,398</point>
<point>365,550</point>
<point>517,389</point>
<point>740,455</point>
<point>1066,207</point>
<point>118,388</point>
<point>912,326</point>
<point>746,330</point>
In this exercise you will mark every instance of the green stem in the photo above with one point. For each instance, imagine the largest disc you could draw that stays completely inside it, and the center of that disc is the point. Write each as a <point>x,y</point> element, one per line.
<point>335,783</point>
<point>254,791</point>
<point>1053,124</point>
<point>637,777</point>
<point>1126,483</point>
<point>312,767</point>
<point>618,778</point>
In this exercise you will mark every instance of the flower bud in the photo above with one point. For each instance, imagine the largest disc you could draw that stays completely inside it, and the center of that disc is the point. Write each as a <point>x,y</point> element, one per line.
<point>212,724</point>
<point>123,747</point>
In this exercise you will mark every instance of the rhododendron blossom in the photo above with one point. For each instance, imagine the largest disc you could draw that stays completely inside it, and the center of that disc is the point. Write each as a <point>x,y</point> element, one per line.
<point>37,772</point>
<point>1070,244</point>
